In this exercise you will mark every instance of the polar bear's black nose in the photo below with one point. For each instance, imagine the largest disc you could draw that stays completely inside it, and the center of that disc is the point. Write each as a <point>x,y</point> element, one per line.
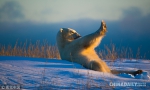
<point>78,36</point>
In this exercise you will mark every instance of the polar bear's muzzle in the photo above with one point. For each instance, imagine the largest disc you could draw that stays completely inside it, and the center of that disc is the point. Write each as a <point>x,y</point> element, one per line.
<point>77,36</point>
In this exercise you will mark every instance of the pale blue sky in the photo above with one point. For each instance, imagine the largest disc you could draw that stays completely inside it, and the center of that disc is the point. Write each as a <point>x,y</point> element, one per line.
<point>53,11</point>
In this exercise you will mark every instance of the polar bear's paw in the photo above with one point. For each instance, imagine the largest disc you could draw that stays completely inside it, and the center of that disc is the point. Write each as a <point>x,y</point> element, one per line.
<point>103,28</point>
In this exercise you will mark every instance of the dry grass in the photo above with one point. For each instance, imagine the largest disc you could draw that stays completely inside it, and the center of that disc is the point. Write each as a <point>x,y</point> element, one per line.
<point>44,50</point>
<point>39,50</point>
<point>111,52</point>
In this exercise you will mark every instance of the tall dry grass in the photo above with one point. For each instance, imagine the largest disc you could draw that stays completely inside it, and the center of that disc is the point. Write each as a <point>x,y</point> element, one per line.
<point>111,52</point>
<point>39,50</point>
<point>45,50</point>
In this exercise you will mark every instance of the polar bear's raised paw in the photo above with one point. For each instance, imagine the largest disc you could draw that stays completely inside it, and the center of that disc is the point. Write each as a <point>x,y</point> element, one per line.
<point>103,28</point>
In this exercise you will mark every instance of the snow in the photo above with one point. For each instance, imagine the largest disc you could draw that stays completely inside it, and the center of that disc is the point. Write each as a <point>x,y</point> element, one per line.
<point>39,73</point>
<point>126,75</point>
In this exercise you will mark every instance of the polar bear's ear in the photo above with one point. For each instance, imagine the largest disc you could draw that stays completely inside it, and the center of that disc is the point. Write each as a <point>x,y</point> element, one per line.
<point>61,30</point>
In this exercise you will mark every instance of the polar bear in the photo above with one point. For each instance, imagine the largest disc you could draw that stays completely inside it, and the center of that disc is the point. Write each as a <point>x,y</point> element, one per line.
<point>74,48</point>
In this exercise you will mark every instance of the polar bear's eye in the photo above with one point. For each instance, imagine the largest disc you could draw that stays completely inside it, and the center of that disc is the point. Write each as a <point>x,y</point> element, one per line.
<point>72,32</point>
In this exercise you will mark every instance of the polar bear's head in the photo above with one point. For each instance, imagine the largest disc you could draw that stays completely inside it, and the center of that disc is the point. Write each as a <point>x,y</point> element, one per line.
<point>66,35</point>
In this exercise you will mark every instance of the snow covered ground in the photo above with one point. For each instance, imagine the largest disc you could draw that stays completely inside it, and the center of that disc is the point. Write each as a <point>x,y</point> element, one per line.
<point>47,74</point>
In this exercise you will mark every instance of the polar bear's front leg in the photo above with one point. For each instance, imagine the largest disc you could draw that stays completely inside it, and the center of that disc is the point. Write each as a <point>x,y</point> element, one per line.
<point>93,40</point>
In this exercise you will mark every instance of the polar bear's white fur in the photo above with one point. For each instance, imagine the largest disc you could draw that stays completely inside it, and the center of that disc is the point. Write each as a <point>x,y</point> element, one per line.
<point>74,48</point>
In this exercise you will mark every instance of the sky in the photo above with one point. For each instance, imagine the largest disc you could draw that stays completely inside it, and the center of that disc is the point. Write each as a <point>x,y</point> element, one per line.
<point>52,11</point>
<point>127,20</point>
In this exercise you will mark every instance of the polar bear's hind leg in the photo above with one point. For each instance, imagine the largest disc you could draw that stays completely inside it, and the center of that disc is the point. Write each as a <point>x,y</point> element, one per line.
<point>97,66</point>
